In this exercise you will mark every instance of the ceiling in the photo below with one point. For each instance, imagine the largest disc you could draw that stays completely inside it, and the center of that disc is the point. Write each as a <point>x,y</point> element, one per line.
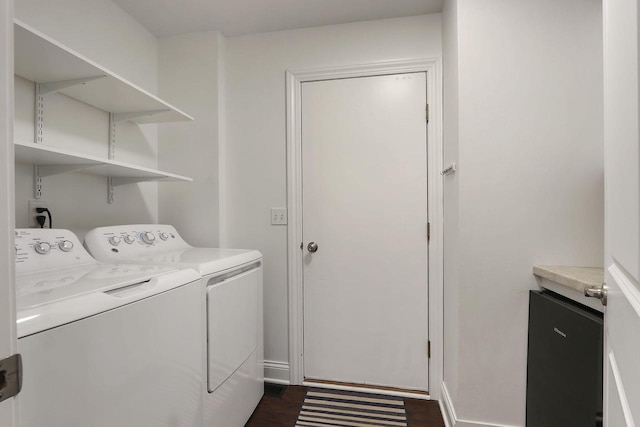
<point>238,17</point>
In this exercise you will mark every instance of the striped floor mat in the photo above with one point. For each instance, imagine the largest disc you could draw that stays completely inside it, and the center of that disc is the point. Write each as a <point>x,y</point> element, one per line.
<point>323,407</point>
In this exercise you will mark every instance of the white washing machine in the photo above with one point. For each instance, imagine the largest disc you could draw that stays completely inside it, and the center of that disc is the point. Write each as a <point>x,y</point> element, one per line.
<point>232,280</point>
<point>105,345</point>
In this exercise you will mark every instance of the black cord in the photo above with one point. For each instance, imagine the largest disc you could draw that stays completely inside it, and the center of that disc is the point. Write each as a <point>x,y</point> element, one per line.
<point>41,210</point>
<point>41,219</point>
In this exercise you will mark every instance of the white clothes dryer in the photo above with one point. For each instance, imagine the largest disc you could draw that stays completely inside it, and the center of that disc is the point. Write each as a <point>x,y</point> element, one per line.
<point>105,345</point>
<point>232,282</point>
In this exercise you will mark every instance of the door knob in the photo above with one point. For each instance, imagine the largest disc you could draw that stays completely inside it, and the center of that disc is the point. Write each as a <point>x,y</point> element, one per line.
<point>312,247</point>
<point>599,292</point>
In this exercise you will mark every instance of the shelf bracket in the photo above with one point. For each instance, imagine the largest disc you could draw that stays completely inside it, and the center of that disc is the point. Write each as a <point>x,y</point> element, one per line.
<point>109,190</point>
<point>48,170</point>
<point>46,88</point>
<point>113,119</point>
<point>115,182</point>
<point>40,171</point>
<point>37,182</point>
<point>41,89</point>
<point>120,117</point>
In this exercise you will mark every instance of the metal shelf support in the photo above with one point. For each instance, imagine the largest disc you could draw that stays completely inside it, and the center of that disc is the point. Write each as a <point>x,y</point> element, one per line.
<point>111,154</point>
<point>48,170</point>
<point>42,89</point>
<point>38,115</point>
<point>40,171</point>
<point>119,117</point>
<point>46,88</point>
<point>37,182</point>
<point>114,118</point>
<point>116,181</point>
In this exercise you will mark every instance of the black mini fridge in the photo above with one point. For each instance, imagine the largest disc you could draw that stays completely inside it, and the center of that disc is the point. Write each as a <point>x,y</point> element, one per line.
<point>564,363</point>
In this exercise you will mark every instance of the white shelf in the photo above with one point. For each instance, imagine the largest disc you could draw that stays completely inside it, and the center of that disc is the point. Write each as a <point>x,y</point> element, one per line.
<point>58,68</point>
<point>53,160</point>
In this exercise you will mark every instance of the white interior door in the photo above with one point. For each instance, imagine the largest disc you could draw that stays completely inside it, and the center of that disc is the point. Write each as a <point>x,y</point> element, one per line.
<point>7,291</point>
<point>622,213</point>
<point>364,180</point>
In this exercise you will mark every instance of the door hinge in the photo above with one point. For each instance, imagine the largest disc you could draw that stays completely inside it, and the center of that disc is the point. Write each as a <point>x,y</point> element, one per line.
<point>428,231</point>
<point>427,113</point>
<point>10,376</point>
<point>429,349</point>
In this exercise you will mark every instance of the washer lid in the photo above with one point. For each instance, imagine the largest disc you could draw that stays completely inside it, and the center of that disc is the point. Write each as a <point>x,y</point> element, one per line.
<point>49,299</point>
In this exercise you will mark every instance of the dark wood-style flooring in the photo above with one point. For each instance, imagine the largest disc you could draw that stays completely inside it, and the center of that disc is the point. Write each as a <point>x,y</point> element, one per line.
<point>283,411</point>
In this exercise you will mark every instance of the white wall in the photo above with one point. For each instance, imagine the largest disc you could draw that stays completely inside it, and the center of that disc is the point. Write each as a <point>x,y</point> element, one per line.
<point>190,75</point>
<point>101,31</point>
<point>256,146</point>
<point>529,189</point>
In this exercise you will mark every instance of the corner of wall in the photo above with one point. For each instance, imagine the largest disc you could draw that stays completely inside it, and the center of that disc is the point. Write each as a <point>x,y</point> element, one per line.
<point>222,139</point>
<point>450,416</point>
<point>446,407</point>
<point>451,202</point>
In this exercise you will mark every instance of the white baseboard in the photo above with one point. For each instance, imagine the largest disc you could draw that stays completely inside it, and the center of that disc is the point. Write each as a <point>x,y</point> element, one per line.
<point>466,423</point>
<point>446,407</point>
<point>365,389</point>
<point>276,372</point>
<point>451,418</point>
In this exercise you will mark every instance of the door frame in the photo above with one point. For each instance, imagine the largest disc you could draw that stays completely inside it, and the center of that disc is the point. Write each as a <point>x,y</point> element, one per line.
<point>294,79</point>
<point>8,335</point>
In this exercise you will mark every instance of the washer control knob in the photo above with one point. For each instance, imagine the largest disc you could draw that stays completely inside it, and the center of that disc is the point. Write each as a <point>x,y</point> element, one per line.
<point>42,248</point>
<point>114,240</point>
<point>164,236</point>
<point>148,237</point>
<point>129,239</point>
<point>65,245</point>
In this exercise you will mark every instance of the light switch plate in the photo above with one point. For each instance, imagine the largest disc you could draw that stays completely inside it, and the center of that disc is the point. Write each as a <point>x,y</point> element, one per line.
<point>278,216</point>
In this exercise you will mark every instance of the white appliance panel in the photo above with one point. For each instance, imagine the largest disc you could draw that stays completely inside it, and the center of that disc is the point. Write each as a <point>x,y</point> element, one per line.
<point>232,333</point>
<point>234,401</point>
<point>54,258</point>
<point>232,337</point>
<point>161,244</point>
<point>58,282</point>
<point>59,311</point>
<point>137,365</point>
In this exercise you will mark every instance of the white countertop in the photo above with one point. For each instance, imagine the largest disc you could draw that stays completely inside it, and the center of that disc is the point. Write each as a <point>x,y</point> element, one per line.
<point>571,281</point>
<point>577,278</point>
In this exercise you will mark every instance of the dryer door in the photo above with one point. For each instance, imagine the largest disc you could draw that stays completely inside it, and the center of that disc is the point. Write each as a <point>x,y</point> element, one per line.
<point>232,317</point>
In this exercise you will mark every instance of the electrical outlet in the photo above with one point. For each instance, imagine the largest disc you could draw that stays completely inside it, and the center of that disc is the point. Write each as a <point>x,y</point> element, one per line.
<point>278,216</point>
<point>33,204</point>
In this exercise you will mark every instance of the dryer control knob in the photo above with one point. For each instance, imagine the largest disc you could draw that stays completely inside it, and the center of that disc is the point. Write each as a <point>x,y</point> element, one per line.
<point>148,237</point>
<point>114,240</point>
<point>42,248</point>
<point>129,239</point>
<point>65,245</point>
<point>164,236</point>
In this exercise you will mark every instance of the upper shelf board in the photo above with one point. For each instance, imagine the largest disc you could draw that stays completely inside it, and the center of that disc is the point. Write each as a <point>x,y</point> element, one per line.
<point>40,59</point>
<point>54,157</point>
